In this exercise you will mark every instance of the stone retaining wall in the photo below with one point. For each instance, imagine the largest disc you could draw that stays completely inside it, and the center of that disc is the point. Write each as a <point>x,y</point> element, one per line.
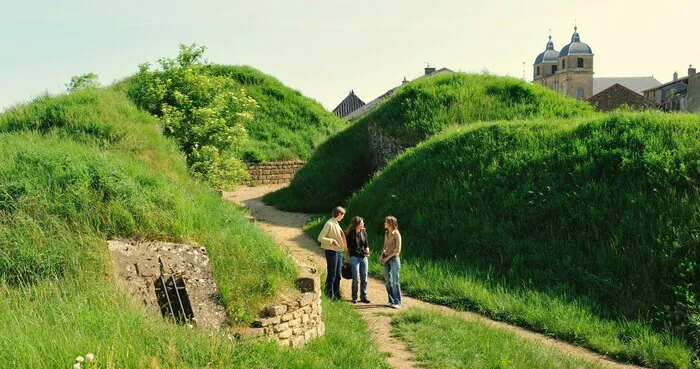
<point>296,321</point>
<point>273,172</point>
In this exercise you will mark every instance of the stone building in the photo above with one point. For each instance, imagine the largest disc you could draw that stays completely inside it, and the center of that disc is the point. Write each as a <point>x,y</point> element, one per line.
<point>681,94</point>
<point>618,95</point>
<point>569,71</point>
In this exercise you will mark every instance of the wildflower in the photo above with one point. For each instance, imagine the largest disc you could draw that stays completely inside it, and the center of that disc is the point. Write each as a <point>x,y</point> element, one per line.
<point>89,357</point>
<point>79,359</point>
<point>76,366</point>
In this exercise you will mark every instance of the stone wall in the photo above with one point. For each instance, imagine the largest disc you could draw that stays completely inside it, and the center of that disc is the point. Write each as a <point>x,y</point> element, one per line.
<point>295,321</point>
<point>382,147</point>
<point>273,172</point>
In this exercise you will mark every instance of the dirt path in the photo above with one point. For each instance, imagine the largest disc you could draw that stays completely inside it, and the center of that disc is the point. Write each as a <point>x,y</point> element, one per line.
<point>286,228</point>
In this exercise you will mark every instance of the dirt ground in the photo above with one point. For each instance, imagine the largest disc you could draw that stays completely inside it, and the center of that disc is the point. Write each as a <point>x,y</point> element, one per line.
<point>286,228</point>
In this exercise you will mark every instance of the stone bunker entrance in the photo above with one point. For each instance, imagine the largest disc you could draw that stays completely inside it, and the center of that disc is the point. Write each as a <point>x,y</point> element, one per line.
<point>136,267</point>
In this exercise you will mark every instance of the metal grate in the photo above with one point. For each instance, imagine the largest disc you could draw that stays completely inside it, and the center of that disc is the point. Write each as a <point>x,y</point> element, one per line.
<point>172,297</point>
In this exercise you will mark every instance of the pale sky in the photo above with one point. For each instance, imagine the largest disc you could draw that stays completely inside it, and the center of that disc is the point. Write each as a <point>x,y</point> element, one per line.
<point>326,48</point>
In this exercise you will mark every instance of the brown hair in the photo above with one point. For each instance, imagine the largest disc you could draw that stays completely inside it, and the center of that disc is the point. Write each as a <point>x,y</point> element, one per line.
<point>353,224</point>
<point>338,210</point>
<point>392,222</point>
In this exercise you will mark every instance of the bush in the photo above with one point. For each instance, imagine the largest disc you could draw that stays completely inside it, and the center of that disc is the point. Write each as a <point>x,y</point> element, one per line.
<point>205,114</point>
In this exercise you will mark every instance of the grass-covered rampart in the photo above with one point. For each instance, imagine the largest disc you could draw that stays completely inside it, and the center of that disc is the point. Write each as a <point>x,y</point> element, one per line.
<point>78,169</point>
<point>587,230</point>
<point>415,112</point>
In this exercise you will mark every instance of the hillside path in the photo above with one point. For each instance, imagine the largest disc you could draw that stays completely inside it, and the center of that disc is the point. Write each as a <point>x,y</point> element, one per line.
<point>286,228</point>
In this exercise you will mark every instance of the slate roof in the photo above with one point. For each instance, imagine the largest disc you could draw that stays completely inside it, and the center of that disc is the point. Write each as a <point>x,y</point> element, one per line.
<point>549,55</point>
<point>374,103</point>
<point>576,47</point>
<point>636,84</point>
<point>348,105</point>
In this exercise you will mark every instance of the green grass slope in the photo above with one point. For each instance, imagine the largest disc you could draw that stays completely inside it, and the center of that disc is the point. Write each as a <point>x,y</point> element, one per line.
<point>415,112</point>
<point>287,125</point>
<point>588,231</point>
<point>81,168</point>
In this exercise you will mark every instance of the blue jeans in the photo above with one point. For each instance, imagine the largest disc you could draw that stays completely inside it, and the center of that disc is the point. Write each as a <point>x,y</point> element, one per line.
<point>358,266</point>
<point>334,262</point>
<point>391,278</point>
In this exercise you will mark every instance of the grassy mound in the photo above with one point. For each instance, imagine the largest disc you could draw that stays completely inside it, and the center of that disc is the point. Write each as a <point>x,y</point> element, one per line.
<point>596,221</point>
<point>287,125</point>
<point>415,112</point>
<point>81,168</point>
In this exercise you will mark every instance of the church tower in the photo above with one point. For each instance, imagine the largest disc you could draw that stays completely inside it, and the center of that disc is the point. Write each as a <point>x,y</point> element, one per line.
<point>545,67</point>
<point>575,69</point>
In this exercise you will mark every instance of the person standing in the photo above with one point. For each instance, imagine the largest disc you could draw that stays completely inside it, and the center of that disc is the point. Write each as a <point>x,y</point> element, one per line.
<point>332,240</point>
<point>391,262</point>
<point>358,249</point>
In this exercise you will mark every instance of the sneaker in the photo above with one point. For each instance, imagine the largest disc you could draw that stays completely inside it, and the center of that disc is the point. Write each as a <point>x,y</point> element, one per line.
<point>394,306</point>
<point>365,301</point>
<point>354,301</point>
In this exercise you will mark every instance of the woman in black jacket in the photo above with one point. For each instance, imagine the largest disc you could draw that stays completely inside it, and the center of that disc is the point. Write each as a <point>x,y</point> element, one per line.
<point>359,251</point>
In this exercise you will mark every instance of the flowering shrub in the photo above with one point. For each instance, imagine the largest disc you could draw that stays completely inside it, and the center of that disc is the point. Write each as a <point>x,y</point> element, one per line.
<point>205,114</point>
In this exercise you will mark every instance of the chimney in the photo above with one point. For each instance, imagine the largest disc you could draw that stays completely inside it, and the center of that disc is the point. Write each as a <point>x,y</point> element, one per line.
<point>429,70</point>
<point>404,81</point>
<point>675,76</point>
<point>691,70</point>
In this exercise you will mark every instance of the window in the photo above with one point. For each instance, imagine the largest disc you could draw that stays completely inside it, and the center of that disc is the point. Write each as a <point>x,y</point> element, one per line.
<point>554,69</point>
<point>580,62</point>
<point>538,71</point>
<point>563,64</point>
<point>579,93</point>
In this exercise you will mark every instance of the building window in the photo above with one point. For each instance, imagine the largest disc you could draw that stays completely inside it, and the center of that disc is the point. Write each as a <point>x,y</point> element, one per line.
<point>563,64</point>
<point>579,93</point>
<point>554,69</point>
<point>580,62</point>
<point>538,71</point>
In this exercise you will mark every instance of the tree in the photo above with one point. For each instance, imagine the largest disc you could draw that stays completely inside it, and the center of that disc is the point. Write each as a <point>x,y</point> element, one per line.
<point>205,114</point>
<point>83,81</point>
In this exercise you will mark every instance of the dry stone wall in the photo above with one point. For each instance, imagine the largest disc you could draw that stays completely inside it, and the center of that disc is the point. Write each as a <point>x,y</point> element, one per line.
<point>382,147</point>
<point>298,320</point>
<point>273,172</point>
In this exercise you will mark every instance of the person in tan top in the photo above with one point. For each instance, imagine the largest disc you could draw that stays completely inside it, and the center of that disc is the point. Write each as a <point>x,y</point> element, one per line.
<point>391,262</point>
<point>332,240</point>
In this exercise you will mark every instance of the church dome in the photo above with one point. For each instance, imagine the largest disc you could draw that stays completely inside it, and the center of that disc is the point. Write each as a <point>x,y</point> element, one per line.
<point>576,47</point>
<point>549,55</point>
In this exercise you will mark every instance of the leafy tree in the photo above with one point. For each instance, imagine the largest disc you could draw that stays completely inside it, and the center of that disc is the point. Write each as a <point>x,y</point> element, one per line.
<point>83,81</point>
<point>205,114</point>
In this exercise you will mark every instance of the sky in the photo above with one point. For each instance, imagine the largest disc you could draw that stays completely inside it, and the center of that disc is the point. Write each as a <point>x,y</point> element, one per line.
<point>326,48</point>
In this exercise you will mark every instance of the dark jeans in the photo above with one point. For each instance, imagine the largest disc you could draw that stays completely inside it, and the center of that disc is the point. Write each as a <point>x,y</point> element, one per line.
<point>334,262</point>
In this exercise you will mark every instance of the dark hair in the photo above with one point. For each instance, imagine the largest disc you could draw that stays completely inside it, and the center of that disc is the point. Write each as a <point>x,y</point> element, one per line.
<point>353,224</point>
<point>392,222</point>
<point>337,211</point>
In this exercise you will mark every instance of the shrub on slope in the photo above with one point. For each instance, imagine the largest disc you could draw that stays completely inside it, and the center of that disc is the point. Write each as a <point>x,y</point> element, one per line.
<point>415,112</point>
<point>607,211</point>
<point>286,125</point>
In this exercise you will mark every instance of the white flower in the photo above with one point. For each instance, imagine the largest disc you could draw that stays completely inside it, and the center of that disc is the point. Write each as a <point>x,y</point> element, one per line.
<point>79,359</point>
<point>89,357</point>
<point>76,366</point>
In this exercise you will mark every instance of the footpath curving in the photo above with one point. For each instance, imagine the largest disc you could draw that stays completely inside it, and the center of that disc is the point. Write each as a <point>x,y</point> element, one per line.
<point>286,228</point>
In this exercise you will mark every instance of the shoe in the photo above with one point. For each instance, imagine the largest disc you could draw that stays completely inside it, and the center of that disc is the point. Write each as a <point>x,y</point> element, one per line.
<point>394,306</point>
<point>354,301</point>
<point>365,301</point>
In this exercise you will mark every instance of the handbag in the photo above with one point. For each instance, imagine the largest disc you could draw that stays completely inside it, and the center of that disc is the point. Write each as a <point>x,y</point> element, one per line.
<point>345,272</point>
